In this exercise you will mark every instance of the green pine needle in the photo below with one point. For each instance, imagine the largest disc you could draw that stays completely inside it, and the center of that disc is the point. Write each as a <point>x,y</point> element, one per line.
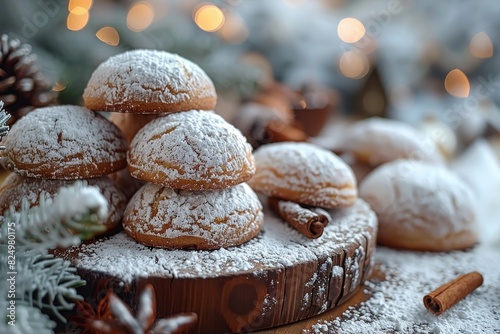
<point>43,282</point>
<point>76,213</point>
<point>52,284</point>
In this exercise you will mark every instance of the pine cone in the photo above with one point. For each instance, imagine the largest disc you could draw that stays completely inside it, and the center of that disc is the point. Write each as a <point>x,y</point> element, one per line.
<point>22,86</point>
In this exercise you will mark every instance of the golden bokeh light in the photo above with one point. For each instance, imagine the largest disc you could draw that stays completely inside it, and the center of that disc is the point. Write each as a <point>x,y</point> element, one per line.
<point>108,35</point>
<point>350,30</point>
<point>481,45</point>
<point>457,84</point>
<point>354,65</point>
<point>234,29</point>
<point>209,17</point>
<point>78,11</point>
<point>77,22</point>
<point>140,16</point>
<point>77,6</point>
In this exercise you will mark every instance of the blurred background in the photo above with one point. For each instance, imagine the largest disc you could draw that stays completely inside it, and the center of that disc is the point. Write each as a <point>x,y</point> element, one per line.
<point>402,59</point>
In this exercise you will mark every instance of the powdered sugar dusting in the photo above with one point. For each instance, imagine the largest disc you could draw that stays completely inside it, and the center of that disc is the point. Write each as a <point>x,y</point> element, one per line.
<point>396,303</point>
<point>277,246</point>
<point>220,217</point>
<point>303,168</point>
<point>382,140</point>
<point>419,196</point>
<point>196,146</point>
<point>149,76</point>
<point>50,140</point>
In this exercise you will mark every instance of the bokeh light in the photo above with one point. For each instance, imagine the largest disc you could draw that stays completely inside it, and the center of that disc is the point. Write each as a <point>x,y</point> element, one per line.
<point>209,17</point>
<point>481,45</point>
<point>140,16</point>
<point>77,22</point>
<point>108,35</point>
<point>350,30</point>
<point>457,84</point>
<point>354,65</point>
<point>79,6</point>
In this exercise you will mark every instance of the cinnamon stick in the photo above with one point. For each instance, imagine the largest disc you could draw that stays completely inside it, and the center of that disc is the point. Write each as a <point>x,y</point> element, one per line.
<point>309,222</point>
<point>447,295</point>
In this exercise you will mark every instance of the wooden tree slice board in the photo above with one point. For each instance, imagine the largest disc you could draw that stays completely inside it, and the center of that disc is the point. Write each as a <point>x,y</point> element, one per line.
<point>277,278</point>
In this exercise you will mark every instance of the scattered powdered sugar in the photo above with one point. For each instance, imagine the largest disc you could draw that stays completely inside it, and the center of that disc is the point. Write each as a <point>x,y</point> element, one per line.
<point>149,76</point>
<point>382,140</point>
<point>302,168</point>
<point>65,137</point>
<point>277,246</point>
<point>220,217</point>
<point>416,195</point>
<point>191,145</point>
<point>396,303</point>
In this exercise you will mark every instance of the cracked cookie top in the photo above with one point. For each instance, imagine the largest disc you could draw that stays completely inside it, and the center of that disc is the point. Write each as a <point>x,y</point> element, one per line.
<point>179,219</point>
<point>64,142</point>
<point>149,82</point>
<point>192,150</point>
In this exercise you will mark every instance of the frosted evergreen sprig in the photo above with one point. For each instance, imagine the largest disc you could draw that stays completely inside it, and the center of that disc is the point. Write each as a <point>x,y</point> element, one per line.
<point>75,214</point>
<point>50,283</point>
<point>4,128</point>
<point>43,282</point>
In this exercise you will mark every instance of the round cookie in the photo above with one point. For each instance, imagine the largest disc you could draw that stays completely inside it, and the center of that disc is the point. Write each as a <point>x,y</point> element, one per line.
<point>64,142</point>
<point>375,141</point>
<point>192,150</point>
<point>303,173</point>
<point>177,219</point>
<point>149,82</point>
<point>15,188</point>
<point>420,206</point>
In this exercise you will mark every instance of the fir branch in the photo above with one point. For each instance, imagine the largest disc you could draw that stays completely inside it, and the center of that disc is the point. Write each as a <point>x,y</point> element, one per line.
<point>4,128</point>
<point>43,282</point>
<point>50,283</point>
<point>75,213</point>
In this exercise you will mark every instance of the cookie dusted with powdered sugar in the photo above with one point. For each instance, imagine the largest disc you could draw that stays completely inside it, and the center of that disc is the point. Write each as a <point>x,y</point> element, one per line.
<point>177,219</point>
<point>375,141</point>
<point>149,82</point>
<point>64,142</point>
<point>303,173</point>
<point>420,206</point>
<point>192,150</point>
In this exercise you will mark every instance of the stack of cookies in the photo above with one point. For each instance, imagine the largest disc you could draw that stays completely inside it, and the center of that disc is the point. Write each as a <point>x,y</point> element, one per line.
<point>52,147</point>
<point>194,163</point>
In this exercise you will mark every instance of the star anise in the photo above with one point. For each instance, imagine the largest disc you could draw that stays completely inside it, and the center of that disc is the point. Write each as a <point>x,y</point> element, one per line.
<point>122,320</point>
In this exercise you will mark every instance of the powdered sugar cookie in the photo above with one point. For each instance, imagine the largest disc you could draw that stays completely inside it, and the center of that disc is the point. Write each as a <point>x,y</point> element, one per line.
<point>303,173</point>
<point>192,150</point>
<point>64,142</point>
<point>149,82</point>
<point>377,140</point>
<point>168,218</point>
<point>420,206</point>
